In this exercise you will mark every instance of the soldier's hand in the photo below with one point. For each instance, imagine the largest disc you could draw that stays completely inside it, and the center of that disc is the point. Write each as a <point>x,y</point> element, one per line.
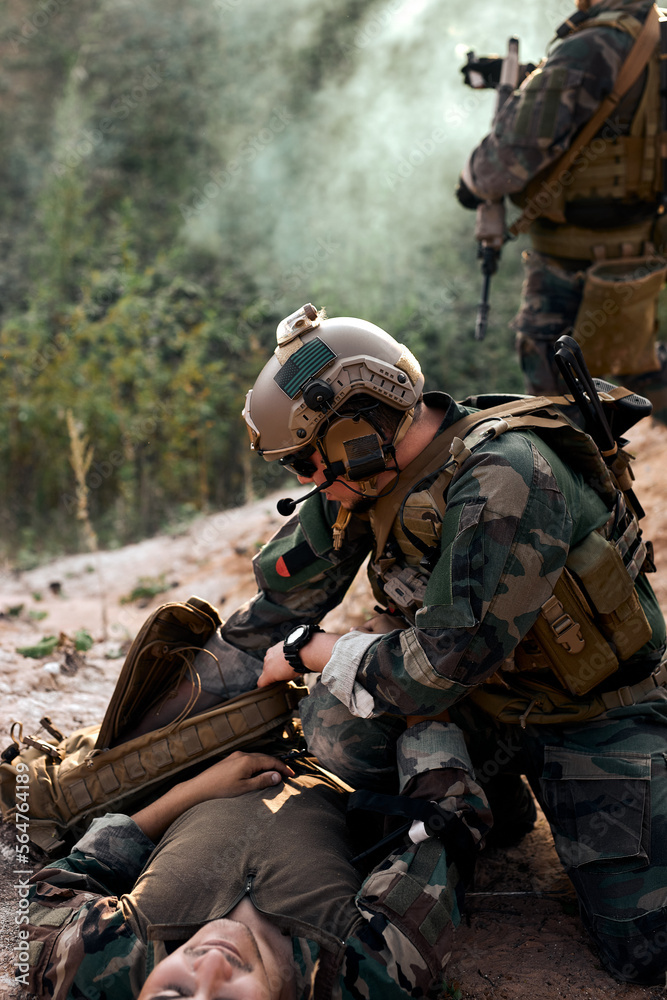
<point>276,667</point>
<point>315,655</point>
<point>236,774</point>
<point>239,773</point>
<point>465,196</point>
<point>381,624</point>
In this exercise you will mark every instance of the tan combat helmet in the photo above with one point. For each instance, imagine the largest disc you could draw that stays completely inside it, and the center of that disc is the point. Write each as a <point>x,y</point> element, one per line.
<point>318,365</point>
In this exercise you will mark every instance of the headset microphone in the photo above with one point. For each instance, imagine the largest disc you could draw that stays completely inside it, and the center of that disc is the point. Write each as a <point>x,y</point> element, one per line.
<point>287,506</point>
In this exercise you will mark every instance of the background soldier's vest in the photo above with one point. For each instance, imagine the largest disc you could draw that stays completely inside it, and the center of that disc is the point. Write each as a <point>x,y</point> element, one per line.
<point>622,168</point>
<point>594,620</point>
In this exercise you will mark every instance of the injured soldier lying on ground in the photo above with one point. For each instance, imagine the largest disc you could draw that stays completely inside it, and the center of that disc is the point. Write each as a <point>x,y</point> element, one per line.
<point>244,881</point>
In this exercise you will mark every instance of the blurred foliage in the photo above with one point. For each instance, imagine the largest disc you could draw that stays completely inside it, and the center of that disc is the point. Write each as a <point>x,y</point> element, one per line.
<point>147,587</point>
<point>156,369</point>
<point>83,640</point>
<point>143,272</point>
<point>44,647</point>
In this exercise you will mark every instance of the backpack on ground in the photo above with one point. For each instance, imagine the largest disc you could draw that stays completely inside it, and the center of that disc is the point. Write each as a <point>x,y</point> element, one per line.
<point>53,790</point>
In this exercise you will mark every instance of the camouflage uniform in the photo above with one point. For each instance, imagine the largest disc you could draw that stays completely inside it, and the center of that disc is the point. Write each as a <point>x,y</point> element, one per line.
<point>101,918</point>
<point>491,549</point>
<point>536,125</point>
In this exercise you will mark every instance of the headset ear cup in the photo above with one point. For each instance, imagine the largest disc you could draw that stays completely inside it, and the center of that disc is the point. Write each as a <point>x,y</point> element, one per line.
<point>357,447</point>
<point>365,457</point>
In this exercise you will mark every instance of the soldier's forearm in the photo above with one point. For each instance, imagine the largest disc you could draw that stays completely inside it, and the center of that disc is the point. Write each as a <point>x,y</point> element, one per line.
<point>317,653</point>
<point>157,817</point>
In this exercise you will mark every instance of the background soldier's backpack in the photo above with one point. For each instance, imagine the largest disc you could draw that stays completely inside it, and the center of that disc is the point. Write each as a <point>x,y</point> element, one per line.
<point>63,785</point>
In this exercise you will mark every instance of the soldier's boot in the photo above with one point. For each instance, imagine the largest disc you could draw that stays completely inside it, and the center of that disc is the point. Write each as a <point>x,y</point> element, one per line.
<point>513,808</point>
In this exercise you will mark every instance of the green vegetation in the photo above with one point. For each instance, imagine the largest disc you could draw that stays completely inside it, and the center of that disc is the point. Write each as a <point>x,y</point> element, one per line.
<point>83,640</point>
<point>168,193</point>
<point>147,587</point>
<point>44,647</point>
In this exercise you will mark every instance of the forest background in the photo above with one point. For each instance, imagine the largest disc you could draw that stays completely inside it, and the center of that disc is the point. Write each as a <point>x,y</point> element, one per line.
<point>176,176</point>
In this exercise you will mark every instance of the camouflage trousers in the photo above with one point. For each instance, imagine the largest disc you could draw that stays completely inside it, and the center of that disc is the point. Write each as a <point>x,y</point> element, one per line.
<point>602,786</point>
<point>550,298</point>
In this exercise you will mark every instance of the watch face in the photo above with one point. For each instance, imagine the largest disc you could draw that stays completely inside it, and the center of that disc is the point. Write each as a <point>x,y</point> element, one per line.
<point>296,634</point>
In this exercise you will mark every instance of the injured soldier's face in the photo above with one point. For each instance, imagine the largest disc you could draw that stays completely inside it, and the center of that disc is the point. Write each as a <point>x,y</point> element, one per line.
<point>222,961</point>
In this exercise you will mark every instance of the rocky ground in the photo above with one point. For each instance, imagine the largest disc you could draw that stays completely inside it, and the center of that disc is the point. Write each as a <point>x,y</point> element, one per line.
<point>521,937</point>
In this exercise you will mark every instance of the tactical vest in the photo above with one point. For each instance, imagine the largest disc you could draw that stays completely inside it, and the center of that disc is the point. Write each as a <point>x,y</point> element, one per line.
<point>624,168</point>
<point>629,166</point>
<point>592,622</point>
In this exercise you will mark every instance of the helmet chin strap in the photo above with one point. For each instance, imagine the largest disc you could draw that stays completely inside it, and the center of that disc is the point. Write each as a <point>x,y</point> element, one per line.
<point>369,496</point>
<point>403,428</point>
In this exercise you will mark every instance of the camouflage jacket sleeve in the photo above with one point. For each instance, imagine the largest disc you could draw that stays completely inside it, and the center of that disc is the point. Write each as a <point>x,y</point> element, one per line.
<point>300,576</point>
<point>505,538</point>
<point>538,122</point>
<point>81,944</point>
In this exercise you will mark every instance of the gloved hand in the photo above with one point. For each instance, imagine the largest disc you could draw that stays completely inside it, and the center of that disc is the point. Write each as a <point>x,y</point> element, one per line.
<point>465,195</point>
<point>457,793</point>
<point>433,763</point>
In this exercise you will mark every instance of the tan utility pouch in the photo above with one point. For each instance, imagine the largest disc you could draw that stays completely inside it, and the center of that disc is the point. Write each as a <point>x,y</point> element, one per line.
<point>591,622</point>
<point>599,567</point>
<point>616,323</point>
<point>574,648</point>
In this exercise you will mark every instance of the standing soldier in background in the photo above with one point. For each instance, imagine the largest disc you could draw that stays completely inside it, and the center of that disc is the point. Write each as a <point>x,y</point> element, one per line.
<point>577,146</point>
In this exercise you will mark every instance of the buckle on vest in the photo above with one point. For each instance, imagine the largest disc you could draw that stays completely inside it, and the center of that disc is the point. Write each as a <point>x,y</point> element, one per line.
<point>625,697</point>
<point>567,632</point>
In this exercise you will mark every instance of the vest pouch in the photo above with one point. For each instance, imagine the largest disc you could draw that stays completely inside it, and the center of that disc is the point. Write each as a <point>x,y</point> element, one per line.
<point>577,653</point>
<point>616,323</point>
<point>609,587</point>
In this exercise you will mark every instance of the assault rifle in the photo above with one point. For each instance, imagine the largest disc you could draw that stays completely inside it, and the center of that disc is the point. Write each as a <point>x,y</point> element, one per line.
<point>605,425</point>
<point>504,75</point>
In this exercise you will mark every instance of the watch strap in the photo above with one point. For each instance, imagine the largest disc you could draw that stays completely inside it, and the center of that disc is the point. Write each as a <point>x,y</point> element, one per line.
<point>292,652</point>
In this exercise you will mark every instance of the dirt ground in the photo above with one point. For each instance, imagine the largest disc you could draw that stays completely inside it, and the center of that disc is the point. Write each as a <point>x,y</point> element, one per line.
<point>521,937</point>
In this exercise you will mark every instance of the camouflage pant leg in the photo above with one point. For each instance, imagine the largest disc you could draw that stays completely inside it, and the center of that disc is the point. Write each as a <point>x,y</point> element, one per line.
<point>603,788</point>
<point>550,298</point>
<point>360,751</point>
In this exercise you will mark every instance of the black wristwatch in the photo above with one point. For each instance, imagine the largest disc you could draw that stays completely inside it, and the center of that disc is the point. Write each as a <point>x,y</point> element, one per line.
<point>295,641</point>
